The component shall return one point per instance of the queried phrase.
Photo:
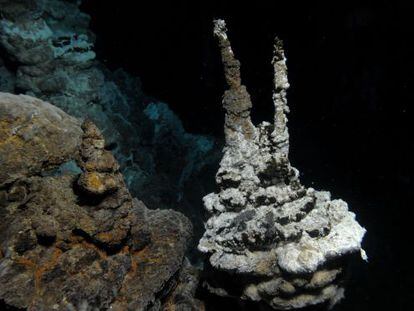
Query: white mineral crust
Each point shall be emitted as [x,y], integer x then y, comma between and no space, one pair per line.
[263,222]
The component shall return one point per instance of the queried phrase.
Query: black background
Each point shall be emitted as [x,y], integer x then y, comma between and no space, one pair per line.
[350,69]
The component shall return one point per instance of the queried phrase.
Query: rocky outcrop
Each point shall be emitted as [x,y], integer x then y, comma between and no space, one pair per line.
[31,137]
[72,236]
[48,52]
[269,238]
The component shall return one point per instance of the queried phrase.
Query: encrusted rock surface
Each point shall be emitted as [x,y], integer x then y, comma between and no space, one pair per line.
[47,51]
[269,238]
[72,236]
[31,134]
[182,298]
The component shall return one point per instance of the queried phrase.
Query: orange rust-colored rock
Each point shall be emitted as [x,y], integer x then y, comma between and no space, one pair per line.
[72,240]
[98,183]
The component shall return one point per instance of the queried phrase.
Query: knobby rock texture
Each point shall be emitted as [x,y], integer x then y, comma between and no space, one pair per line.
[72,236]
[47,51]
[270,239]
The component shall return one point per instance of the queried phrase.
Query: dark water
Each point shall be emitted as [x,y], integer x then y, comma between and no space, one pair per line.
[351,73]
